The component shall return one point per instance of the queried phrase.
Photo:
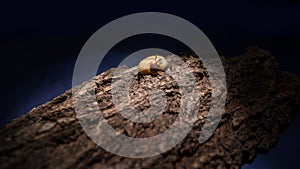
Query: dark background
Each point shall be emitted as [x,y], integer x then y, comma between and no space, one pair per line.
[40,42]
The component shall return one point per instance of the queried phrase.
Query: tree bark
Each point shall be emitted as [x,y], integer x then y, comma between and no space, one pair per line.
[261,101]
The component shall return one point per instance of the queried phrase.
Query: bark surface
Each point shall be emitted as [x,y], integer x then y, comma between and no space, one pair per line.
[261,101]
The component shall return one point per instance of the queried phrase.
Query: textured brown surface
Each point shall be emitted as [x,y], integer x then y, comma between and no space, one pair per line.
[260,104]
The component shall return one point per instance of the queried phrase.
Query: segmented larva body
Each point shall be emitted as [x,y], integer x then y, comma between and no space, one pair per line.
[155,64]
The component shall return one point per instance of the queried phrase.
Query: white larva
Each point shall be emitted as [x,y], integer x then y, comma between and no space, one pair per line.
[154,64]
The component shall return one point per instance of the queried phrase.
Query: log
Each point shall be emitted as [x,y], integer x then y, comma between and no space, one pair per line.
[260,104]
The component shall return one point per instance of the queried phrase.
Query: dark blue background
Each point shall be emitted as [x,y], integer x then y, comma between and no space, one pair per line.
[40,41]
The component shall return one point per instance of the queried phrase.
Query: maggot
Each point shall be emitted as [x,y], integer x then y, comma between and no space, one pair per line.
[154,64]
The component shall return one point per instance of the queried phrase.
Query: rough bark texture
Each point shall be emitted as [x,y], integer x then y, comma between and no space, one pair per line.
[260,104]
